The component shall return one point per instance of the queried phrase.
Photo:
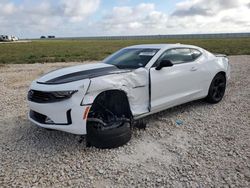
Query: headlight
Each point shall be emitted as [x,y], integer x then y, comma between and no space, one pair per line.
[63,94]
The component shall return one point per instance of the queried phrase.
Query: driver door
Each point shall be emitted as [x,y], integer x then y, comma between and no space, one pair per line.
[171,86]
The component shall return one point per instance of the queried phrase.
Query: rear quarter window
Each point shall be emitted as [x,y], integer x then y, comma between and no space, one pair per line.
[178,55]
[195,54]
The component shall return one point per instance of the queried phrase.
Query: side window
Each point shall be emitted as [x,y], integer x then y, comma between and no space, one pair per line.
[177,56]
[195,54]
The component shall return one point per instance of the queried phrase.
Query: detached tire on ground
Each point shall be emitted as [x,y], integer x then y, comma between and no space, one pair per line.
[113,137]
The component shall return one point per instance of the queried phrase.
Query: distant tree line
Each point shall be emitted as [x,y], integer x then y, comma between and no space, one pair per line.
[177,36]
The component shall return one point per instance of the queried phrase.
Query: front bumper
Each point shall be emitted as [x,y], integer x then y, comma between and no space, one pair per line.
[64,116]
[67,115]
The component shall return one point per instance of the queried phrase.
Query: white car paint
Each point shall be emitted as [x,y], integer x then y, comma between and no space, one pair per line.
[148,90]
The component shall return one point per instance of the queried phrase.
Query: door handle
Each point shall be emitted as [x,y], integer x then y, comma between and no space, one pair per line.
[193,69]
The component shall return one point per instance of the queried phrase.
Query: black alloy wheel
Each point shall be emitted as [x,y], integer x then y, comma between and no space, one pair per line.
[217,89]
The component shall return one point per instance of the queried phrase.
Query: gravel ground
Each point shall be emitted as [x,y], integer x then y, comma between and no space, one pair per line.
[210,149]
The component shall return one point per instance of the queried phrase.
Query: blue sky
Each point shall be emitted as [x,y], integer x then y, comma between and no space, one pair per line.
[75,18]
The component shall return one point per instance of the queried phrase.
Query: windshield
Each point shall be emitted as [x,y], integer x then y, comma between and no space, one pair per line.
[131,58]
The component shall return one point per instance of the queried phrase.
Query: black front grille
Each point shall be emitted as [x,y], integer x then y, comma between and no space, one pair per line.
[41,97]
[44,97]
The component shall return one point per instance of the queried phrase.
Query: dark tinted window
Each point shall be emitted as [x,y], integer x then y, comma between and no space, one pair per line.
[195,53]
[178,55]
[131,58]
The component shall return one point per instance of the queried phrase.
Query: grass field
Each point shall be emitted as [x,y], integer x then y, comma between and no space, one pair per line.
[40,51]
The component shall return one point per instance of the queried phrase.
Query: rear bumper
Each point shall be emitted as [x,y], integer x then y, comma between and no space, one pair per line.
[228,73]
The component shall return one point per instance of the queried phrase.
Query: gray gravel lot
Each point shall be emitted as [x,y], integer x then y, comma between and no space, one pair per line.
[211,148]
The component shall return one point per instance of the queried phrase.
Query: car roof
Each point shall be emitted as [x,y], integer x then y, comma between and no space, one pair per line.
[162,46]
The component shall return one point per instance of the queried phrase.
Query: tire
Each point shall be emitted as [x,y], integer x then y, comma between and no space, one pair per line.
[109,138]
[217,89]
[49,129]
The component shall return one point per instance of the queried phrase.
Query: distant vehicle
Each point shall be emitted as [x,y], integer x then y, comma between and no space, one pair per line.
[5,38]
[14,38]
[51,37]
[8,38]
[102,100]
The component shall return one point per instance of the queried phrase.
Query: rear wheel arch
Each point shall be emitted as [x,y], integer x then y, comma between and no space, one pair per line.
[212,76]
[221,72]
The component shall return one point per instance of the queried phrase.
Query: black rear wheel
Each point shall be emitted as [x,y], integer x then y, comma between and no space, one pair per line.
[216,89]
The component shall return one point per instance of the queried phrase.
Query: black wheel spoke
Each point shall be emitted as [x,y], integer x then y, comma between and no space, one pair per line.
[214,93]
[222,84]
[219,94]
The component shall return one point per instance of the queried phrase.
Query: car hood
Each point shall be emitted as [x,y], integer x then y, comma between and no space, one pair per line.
[80,72]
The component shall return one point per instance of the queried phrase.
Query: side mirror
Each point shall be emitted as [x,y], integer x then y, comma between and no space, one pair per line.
[164,63]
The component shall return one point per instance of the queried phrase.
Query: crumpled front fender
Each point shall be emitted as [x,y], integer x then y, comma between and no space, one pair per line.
[134,83]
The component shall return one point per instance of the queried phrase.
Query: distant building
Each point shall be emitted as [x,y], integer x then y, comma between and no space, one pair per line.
[8,38]
[51,37]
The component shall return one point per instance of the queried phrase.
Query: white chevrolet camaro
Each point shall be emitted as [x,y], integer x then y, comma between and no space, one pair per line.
[104,100]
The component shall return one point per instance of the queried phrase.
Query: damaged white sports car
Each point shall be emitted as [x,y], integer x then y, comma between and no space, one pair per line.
[103,100]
